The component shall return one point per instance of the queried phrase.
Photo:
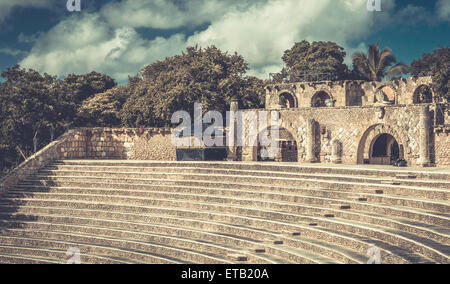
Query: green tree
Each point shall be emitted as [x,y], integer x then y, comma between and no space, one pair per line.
[35,108]
[376,65]
[436,65]
[103,109]
[208,76]
[27,113]
[84,86]
[320,60]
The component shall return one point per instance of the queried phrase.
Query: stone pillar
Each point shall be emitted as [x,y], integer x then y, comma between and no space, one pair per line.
[310,141]
[232,131]
[336,152]
[424,139]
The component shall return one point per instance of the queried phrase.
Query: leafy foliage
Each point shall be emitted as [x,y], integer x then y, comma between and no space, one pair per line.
[376,65]
[27,108]
[103,109]
[436,65]
[208,76]
[35,108]
[308,61]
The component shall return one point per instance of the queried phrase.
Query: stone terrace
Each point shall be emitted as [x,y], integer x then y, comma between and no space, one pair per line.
[225,212]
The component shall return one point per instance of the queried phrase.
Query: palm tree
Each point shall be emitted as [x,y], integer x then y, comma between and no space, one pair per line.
[375,66]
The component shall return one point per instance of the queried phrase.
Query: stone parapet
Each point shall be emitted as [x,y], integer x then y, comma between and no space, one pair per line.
[98,143]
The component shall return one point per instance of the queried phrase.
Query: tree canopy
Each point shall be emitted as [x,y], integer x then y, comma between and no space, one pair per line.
[320,60]
[208,76]
[436,65]
[35,108]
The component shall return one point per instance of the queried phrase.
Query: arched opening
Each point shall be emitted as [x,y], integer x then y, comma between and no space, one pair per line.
[320,99]
[286,150]
[287,100]
[379,143]
[385,95]
[384,150]
[423,95]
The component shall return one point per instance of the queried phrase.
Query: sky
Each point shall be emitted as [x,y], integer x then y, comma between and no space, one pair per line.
[119,37]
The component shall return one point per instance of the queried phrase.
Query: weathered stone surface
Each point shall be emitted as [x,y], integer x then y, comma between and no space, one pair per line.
[362,112]
[98,143]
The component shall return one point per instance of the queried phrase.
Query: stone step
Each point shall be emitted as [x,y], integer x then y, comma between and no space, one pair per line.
[406,176]
[212,238]
[431,173]
[87,236]
[227,212]
[423,192]
[20,259]
[136,171]
[294,201]
[127,245]
[353,226]
[237,233]
[406,254]
[344,198]
[57,255]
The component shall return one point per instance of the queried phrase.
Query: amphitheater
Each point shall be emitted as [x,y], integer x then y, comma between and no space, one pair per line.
[121,196]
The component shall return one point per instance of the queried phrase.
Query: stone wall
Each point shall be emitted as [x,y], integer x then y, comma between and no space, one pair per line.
[440,143]
[441,154]
[354,129]
[347,93]
[121,143]
[39,160]
[98,143]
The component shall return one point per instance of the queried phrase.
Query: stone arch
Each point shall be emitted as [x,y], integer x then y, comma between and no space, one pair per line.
[369,137]
[290,100]
[422,94]
[289,144]
[319,98]
[388,93]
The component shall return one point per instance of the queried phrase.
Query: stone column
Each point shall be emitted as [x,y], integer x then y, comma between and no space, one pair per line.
[336,157]
[310,141]
[232,132]
[424,138]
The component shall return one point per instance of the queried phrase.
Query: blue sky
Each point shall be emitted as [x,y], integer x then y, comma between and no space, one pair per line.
[120,37]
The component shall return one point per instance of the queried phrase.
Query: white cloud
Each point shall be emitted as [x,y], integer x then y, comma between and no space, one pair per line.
[163,14]
[262,35]
[443,9]
[84,43]
[108,41]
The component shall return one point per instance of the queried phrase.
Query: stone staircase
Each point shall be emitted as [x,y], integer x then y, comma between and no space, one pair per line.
[222,213]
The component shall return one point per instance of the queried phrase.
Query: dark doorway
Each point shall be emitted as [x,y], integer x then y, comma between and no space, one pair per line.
[319,99]
[287,100]
[385,149]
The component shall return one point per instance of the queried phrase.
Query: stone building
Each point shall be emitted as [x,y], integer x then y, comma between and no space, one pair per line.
[355,122]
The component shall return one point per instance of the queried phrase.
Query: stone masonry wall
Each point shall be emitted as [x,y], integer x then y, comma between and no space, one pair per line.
[39,160]
[441,138]
[121,143]
[353,128]
[441,153]
[347,93]
[97,143]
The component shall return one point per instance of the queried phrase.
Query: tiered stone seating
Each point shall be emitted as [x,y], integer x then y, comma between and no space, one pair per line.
[211,212]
